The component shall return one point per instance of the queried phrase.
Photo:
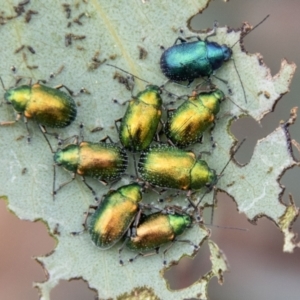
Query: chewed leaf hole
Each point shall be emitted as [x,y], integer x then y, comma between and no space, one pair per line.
[246,128]
[74,289]
[189,269]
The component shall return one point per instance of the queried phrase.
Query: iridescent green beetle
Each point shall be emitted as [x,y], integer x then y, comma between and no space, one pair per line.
[103,161]
[186,124]
[191,60]
[156,230]
[114,215]
[140,122]
[169,167]
[47,106]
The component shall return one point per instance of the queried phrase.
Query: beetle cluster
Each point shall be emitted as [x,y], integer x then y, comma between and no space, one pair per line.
[120,214]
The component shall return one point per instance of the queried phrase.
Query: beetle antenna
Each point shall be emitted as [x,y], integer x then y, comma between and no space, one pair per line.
[251,30]
[226,227]
[243,110]
[128,73]
[161,87]
[232,155]
[240,79]
[198,220]
[2,83]
[53,183]
[221,173]
[245,97]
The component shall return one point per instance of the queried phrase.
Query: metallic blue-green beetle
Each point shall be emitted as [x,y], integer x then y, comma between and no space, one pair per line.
[186,124]
[114,215]
[140,122]
[103,161]
[191,60]
[47,106]
[169,167]
[156,230]
[141,119]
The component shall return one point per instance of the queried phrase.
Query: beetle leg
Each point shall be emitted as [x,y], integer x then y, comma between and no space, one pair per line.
[54,74]
[225,82]
[212,141]
[84,224]
[196,247]
[213,31]
[103,182]
[82,90]
[112,183]
[201,139]
[150,207]
[161,191]
[144,255]
[5,123]
[203,152]
[39,81]
[198,218]
[136,223]
[91,189]
[61,86]
[116,101]
[194,37]
[175,195]
[150,187]
[156,137]
[135,166]
[169,111]
[160,131]
[28,133]
[81,126]
[190,81]
[116,123]
[182,40]
[183,97]
[162,87]
[121,262]
[210,86]
[165,251]
[64,141]
[188,197]
[44,132]
[107,138]
[65,183]
[171,143]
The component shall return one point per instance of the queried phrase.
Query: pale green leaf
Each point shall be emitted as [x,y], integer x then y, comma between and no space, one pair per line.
[116,31]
